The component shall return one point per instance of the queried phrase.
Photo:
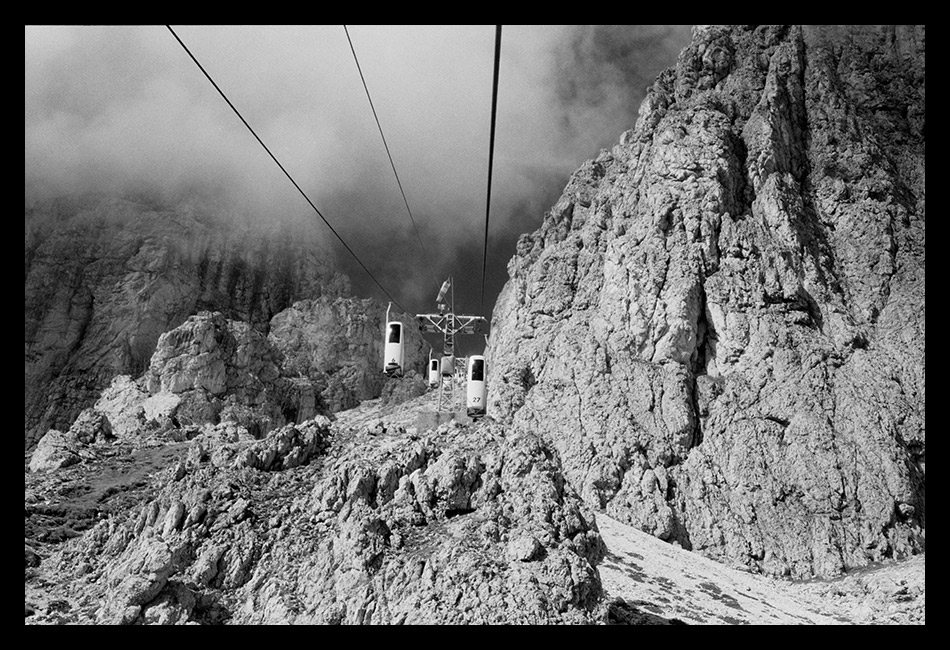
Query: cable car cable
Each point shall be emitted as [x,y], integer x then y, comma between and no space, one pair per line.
[379,126]
[491,155]
[332,229]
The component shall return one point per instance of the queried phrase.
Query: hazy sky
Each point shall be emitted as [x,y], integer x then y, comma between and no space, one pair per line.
[113,108]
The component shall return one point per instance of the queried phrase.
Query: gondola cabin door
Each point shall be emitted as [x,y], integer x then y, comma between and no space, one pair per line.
[433,372]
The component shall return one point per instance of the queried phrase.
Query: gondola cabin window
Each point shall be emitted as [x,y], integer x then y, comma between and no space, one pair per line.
[395,333]
[478,370]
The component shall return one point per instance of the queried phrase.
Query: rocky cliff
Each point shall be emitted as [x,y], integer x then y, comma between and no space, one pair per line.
[338,344]
[720,324]
[106,276]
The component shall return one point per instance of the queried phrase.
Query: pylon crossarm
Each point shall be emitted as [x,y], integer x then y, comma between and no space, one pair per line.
[432,323]
[467,324]
[451,323]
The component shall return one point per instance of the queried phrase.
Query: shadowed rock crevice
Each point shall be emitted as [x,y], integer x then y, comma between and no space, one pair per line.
[620,612]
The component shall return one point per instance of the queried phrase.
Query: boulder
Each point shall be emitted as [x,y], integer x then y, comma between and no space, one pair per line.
[54,451]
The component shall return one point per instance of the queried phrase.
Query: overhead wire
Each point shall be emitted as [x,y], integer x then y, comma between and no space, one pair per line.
[386,145]
[286,173]
[491,155]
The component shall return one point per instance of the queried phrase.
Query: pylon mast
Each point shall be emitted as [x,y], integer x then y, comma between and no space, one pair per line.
[449,325]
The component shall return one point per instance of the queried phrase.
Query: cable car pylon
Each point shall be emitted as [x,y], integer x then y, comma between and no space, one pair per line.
[449,324]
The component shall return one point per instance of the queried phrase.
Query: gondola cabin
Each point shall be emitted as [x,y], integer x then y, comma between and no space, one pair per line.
[448,366]
[393,359]
[433,372]
[475,390]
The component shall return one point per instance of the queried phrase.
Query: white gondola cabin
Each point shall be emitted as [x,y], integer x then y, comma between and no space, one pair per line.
[475,390]
[448,366]
[433,372]
[393,355]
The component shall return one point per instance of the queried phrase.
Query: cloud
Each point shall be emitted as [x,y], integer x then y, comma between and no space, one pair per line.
[122,109]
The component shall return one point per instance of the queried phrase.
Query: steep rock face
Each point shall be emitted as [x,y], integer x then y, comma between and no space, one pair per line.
[461,525]
[320,357]
[104,277]
[337,343]
[211,367]
[720,325]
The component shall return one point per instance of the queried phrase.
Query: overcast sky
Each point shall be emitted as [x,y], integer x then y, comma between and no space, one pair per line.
[113,108]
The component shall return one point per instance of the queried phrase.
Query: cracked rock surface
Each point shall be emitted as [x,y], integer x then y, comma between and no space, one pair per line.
[317,523]
[720,324]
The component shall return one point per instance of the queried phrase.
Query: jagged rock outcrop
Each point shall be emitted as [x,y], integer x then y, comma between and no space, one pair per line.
[460,525]
[321,356]
[106,276]
[337,343]
[54,451]
[207,370]
[720,324]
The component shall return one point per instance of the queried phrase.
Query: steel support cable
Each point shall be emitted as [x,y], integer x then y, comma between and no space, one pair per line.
[425,255]
[491,155]
[302,193]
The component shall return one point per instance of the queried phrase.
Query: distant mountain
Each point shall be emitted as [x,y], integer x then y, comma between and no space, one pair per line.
[105,276]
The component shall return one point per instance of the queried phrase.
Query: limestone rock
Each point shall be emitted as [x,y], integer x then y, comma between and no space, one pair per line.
[92,426]
[211,368]
[337,343]
[54,451]
[123,404]
[365,529]
[286,447]
[719,325]
[400,389]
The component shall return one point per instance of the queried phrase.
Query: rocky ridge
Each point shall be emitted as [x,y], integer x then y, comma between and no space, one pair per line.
[245,505]
[719,326]
[318,524]
[365,520]
[106,276]
[211,369]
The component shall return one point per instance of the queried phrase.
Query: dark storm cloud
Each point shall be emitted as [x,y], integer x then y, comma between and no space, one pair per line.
[124,109]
